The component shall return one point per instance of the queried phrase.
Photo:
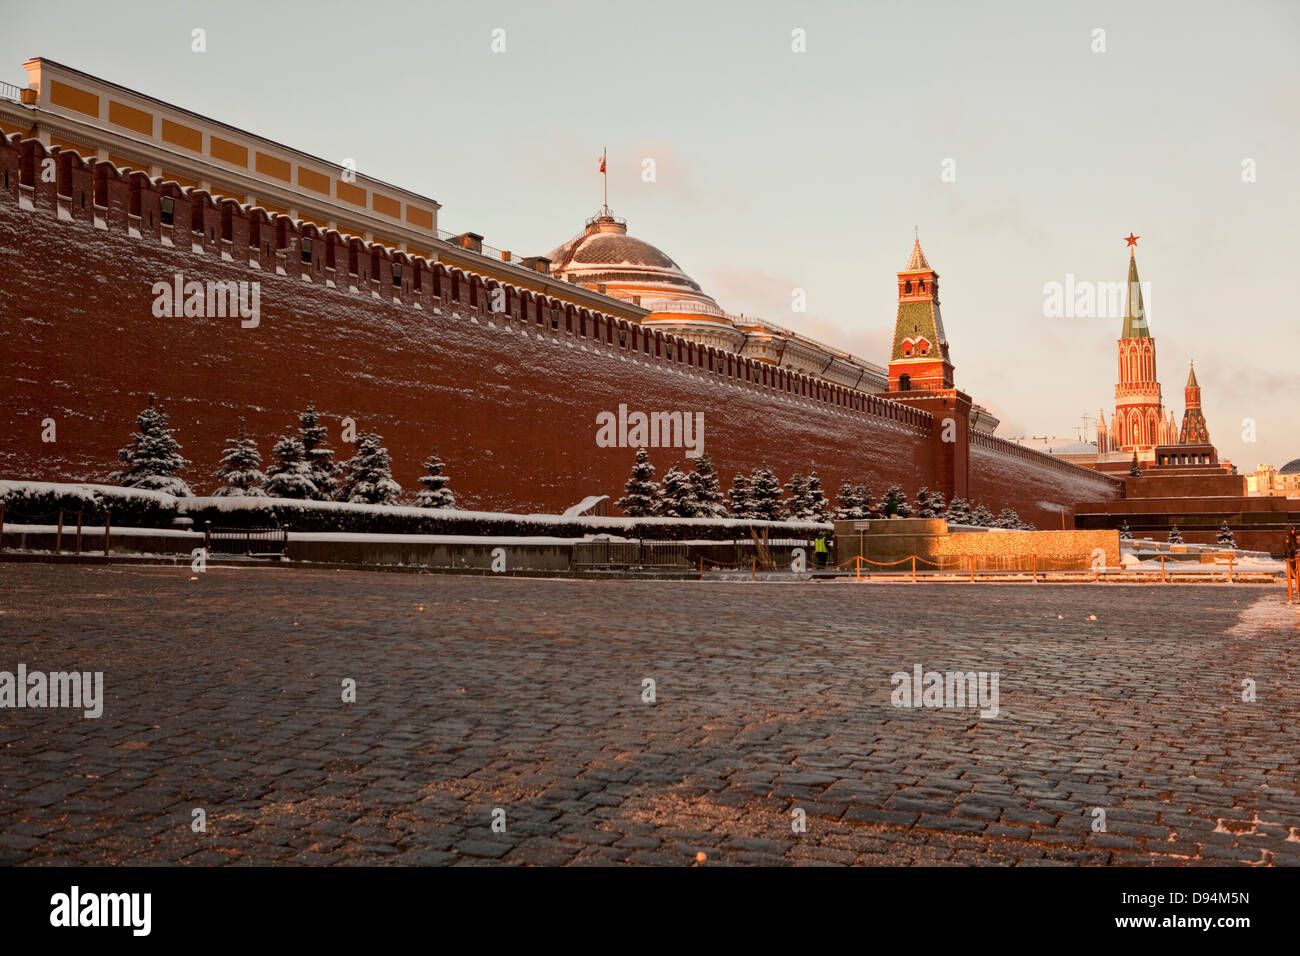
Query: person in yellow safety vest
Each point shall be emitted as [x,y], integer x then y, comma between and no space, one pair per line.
[820,549]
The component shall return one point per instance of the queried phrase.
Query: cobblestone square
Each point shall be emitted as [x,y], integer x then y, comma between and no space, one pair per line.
[223,693]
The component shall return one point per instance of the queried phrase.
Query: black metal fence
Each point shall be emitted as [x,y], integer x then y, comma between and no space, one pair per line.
[254,542]
[632,554]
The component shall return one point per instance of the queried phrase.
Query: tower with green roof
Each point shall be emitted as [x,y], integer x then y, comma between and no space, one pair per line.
[919,360]
[1140,423]
[920,374]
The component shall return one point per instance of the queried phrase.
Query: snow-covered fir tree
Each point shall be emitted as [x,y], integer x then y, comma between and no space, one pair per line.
[1125,533]
[290,475]
[152,458]
[368,476]
[677,495]
[792,507]
[1134,471]
[240,473]
[958,511]
[816,505]
[1175,536]
[765,494]
[921,504]
[738,501]
[320,457]
[435,493]
[708,490]
[981,517]
[936,504]
[1226,537]
[851,502]
[641,491]
[863,494]
[1007,518]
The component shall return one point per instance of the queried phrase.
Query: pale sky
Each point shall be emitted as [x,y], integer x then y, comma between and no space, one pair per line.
[778,170]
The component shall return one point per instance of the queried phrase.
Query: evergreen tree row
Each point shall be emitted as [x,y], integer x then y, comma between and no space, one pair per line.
[761,496]
[303,468]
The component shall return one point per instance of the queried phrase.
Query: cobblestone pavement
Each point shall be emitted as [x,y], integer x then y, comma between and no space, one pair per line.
[223,692]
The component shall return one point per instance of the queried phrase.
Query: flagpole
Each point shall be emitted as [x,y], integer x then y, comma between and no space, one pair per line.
[604,163]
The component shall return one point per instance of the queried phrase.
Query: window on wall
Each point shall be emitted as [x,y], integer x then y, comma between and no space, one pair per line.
[166,210]
[397,274]
[555,318]
[622,338]
[306,248]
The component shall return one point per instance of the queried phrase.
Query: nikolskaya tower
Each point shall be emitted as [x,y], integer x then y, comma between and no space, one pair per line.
[1140,422]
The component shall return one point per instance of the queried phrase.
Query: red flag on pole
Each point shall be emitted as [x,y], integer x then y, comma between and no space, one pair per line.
[602,162]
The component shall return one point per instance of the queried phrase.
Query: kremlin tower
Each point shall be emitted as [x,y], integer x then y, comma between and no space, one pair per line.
[1194,431]
[1141,427]
[919,361]
[1140,422]
[920,372]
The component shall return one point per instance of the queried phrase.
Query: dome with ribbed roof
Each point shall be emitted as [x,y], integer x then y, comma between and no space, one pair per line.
[1290,468]
[604,255]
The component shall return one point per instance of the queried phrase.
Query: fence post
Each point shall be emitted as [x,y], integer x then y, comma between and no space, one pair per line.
[857,567]
[1162,569]
[701,567]
[207,536]
[753,573]
[78,532]
[1231,555]
[972,569]
[108,525]
[1035,557]
[913,569]
[58,535]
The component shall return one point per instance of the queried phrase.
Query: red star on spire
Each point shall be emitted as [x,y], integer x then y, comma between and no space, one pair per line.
[1132,240]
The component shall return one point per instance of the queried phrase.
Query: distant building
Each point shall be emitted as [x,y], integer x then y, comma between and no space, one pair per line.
[1268,482]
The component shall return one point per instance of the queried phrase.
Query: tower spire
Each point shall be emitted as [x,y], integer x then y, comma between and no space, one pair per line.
[1135,315]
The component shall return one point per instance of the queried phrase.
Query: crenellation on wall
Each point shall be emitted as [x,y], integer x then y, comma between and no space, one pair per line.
[1010,448]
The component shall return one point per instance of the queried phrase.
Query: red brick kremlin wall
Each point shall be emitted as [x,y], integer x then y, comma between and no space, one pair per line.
[510,403]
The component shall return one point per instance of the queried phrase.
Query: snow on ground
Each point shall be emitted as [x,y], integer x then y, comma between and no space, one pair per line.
[1252,565]
[1266,617]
